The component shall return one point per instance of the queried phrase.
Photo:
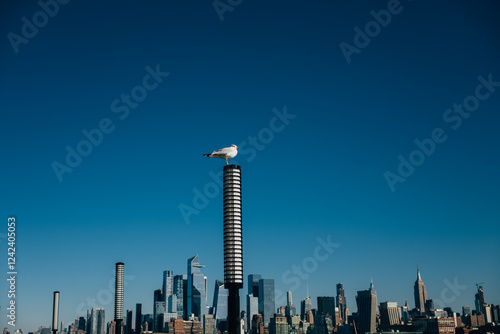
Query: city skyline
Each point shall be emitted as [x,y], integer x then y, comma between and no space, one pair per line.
[356,166]
[331,301]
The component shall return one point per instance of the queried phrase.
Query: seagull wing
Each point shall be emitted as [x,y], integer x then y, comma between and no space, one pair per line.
[222,152]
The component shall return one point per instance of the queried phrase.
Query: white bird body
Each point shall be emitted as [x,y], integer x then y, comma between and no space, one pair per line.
[224,153]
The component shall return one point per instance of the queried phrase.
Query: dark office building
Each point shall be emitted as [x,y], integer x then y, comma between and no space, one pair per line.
[138,318]
[326,305]
[129,329]
[366,301]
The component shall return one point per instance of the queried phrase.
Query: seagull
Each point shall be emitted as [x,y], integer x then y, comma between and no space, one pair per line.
[224,153]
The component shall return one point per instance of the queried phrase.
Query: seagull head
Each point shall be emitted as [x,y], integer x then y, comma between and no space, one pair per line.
[234,146]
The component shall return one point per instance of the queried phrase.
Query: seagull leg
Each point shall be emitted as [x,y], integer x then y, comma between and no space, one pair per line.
[227,163]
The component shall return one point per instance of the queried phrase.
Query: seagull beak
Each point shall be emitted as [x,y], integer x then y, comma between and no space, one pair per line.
[237,147]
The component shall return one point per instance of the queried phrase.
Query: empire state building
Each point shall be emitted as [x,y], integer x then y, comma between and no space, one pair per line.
[420,293]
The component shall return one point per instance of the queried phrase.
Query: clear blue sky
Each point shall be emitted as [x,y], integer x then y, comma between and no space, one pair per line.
[319,175]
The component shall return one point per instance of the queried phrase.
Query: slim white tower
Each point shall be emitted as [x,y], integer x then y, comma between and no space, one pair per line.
[55,312]
[118,296]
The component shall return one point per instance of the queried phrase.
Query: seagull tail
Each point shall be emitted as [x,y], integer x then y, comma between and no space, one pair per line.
[206,155]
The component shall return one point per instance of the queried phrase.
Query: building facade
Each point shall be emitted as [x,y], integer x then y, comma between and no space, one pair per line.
[389,314]
[96,322]
[266,299]
[420,293]
[367,310]
[197,289]
[341,302]
[220,301]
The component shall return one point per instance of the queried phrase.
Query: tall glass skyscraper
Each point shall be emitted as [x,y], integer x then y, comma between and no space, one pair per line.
[253,284]
[158,311]
[197,289]
[266,299]
[220,301]
[168,284]
[252,298]
[95,321]
[179,293]
[252,309]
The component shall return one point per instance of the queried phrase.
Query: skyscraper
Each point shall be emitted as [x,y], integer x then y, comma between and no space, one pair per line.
[197,289]
[366,301]
[119,270]
[305,306]
[158,311]
[326,305]
[420,293]
[479,300]
[158,308]
[129,322]
[95,321]
[290,309]
[80,324]
[341,302]
[404,312]
[253,284]
[278,325]
[252,309]
[429,306]
[252,298]
[233,244]
[185,297]
[179,293]
[157,296]
[266,299]
[138,319]
[389,314]
[220,301]
[168,286]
